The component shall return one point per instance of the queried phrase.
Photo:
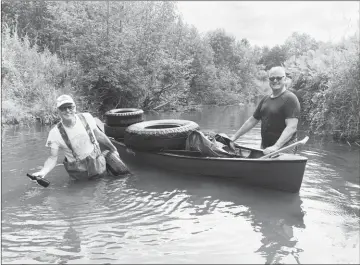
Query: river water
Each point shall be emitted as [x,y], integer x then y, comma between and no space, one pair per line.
[155,216]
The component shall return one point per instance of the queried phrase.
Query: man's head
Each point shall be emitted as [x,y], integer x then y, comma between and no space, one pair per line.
[66,106]
[277,78]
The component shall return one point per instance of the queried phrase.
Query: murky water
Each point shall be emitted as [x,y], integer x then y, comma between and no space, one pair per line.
[165,217]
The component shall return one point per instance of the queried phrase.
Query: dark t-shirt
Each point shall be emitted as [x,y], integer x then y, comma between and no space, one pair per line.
[272,112]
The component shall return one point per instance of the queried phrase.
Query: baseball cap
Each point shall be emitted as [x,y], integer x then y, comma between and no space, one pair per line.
[64,99]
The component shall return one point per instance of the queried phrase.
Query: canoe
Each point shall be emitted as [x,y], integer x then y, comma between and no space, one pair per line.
[284,172]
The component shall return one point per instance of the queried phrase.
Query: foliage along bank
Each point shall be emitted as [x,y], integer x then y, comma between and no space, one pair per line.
[142,54]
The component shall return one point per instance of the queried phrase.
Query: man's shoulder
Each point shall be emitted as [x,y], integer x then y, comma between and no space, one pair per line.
[264,98]
[86,114]
[54,131]
[89,119]
[289,95]
[54,127]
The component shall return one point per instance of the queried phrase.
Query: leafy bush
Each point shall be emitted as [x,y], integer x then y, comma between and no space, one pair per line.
[31,80]
[328,84]
[135,54]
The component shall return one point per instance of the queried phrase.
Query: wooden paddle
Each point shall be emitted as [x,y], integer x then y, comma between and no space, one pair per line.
[303,141]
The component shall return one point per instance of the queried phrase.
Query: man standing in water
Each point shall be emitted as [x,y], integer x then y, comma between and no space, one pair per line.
[279,114]
[79,137]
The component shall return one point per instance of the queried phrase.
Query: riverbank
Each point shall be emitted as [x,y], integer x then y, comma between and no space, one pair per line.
[336,136]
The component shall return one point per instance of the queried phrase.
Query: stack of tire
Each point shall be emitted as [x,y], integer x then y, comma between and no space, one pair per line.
[156,135]
[117,120]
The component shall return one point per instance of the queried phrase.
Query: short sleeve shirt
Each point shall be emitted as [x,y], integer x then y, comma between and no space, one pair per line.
[272,112]
[78,137]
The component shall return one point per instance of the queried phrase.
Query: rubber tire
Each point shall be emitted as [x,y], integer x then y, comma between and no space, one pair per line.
[124,117]
[159,134]
[114,131]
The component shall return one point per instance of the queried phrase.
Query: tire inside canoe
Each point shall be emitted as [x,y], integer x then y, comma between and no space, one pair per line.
[159,134]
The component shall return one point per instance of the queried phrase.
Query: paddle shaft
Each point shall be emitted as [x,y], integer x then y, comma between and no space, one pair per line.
[303,141]
[247,148]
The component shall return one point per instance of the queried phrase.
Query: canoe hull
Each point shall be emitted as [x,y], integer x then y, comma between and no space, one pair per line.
[282,173]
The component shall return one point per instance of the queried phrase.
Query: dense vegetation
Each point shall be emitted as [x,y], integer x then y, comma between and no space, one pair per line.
[142,54]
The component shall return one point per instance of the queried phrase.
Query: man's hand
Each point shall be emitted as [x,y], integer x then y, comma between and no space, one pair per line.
[115,152]
[232,145]
[271,149]
[39,174]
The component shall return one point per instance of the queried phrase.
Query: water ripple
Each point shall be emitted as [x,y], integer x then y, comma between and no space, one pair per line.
[158,217]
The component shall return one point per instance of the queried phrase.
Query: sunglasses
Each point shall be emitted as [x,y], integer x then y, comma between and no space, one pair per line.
[65,108]
[278,78]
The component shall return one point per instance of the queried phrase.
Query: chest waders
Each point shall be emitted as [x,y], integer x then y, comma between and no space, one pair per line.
[93,165]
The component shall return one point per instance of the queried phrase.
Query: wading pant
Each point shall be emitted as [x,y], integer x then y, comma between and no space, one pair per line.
[93,166]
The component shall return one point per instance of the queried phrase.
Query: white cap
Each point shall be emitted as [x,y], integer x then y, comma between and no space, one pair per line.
[64,99]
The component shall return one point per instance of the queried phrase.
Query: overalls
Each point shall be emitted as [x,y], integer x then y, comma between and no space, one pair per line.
[92,166]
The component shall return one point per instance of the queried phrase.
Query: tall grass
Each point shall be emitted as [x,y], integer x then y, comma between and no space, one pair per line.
[31,81]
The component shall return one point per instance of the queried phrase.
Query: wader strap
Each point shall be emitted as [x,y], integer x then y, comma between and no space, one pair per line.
[66,138]
[87,127]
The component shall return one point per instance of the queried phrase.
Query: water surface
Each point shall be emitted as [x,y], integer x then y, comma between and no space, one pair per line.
[156,216]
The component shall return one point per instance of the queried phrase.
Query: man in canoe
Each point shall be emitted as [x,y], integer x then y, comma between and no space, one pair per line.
[279,114]
[79,137]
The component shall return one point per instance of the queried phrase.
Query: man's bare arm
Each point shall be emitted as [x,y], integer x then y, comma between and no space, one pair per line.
[247,126]
[102,138]
[49,164]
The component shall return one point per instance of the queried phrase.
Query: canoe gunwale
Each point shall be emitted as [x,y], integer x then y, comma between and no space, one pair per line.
[255,160]
[299,159]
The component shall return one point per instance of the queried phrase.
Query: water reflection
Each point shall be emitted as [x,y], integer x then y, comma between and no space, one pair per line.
[278,231]
[206,196]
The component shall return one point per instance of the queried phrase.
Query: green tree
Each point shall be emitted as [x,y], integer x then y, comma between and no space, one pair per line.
[223,46]
[276,56]
[31,19]
[299,43]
